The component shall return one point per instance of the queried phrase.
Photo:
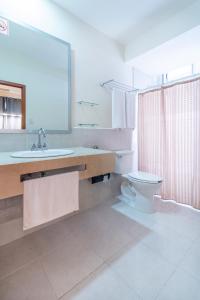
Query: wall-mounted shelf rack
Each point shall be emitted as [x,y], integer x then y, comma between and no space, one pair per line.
[99,128]
[87,103]
[110,84]
[87,125]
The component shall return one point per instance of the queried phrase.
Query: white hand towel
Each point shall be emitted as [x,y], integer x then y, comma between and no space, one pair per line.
[118,109]
[130,110]
[50,197]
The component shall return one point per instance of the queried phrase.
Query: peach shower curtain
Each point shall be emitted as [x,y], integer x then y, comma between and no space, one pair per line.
[169,139]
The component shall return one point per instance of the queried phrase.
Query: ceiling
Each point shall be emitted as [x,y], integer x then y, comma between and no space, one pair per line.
[123,20]
[180,51]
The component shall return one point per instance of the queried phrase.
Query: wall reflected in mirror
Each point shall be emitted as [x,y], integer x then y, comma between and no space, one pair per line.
[39,64]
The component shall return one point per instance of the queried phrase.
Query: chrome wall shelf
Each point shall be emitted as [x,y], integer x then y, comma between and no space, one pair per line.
[87,103]
[87,125]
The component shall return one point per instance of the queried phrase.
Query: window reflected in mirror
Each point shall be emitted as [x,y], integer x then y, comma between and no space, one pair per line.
[12,105]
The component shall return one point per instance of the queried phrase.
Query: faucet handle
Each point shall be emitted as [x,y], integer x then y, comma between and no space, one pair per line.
[42,131]
[44,146]
[34,147]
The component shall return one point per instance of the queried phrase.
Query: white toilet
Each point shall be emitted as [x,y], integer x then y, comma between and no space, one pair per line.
[138,188]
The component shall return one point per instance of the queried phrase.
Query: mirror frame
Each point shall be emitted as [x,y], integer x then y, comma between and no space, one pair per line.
[69,100]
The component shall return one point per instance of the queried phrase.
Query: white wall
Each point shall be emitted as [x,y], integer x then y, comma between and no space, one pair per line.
[175,53]
[142,80]
[171,27]
[111,139]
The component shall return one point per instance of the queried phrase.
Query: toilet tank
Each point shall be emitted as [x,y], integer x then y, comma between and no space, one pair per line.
[123,162]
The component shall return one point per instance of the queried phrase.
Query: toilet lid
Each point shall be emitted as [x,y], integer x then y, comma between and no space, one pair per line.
[144,177]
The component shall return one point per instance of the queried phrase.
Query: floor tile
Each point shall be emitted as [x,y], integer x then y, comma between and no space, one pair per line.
[119,220]
[143,270]
[180,224]
[68,265]
[15,255]
[167,243]
[102,285]
[47,239]
[189,212]
[29,283]
[86,218]
[141,218]
[96,233]
[166,206]
[126,252]
[191,261]
[109,243]
[181,286]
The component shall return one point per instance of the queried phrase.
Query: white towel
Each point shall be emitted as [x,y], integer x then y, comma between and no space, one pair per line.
[118,109]
[50,197]
[130,110]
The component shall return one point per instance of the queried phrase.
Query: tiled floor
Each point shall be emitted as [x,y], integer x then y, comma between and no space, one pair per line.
[110,252]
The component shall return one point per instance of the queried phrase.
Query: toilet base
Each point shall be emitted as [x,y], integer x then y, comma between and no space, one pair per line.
[133,198]
[148,209]
[126,200]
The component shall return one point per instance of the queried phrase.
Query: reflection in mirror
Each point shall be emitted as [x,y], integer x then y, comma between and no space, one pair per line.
[40,63]
[12,105]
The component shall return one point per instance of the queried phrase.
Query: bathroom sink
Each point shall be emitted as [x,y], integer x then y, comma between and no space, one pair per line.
[42,153]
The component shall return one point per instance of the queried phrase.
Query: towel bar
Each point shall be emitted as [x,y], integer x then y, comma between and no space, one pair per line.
[44,173]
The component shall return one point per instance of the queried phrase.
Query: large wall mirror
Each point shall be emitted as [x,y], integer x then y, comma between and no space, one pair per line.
[35,80]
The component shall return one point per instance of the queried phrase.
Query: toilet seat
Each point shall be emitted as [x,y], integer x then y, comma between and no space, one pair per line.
[143,177]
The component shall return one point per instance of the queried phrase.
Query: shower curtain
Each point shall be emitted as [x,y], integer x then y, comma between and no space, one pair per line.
[169,139]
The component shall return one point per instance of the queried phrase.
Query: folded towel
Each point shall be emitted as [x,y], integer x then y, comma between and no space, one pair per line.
[130,110]
[118,109]
[50,197]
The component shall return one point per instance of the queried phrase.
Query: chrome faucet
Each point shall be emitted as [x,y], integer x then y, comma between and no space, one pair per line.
[40,145]
[41,132]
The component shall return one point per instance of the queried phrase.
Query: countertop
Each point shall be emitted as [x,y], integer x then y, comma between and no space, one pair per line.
[6,159]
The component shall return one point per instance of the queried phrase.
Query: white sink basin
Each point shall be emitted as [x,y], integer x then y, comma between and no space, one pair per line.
[42,153]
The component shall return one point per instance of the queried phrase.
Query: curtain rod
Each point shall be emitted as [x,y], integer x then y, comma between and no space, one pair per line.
[171,83]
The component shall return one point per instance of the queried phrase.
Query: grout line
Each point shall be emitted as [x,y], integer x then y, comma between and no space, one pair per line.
[82,280]
[47,277]
[164,284]
[189,273]
[186,253]
[19,268]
